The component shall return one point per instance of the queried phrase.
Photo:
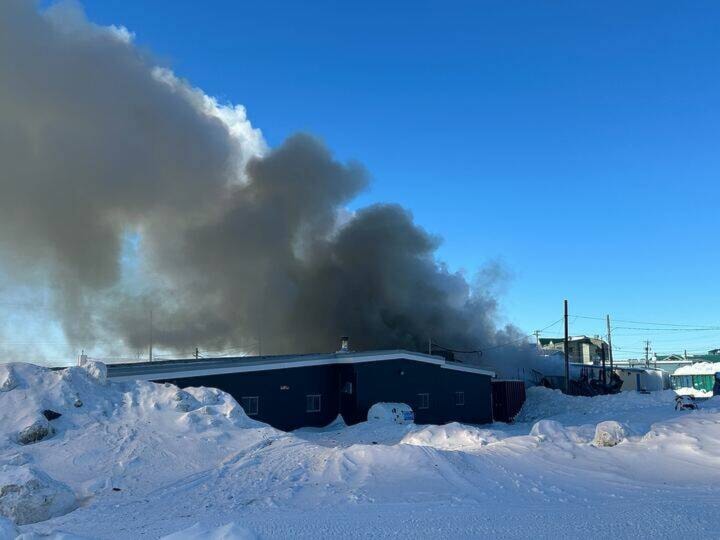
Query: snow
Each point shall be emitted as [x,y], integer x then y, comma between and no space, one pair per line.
[28,495]
[7,528]
[398,413]
[698,368]
[609,433]
[230,531]
[147,460]
[694,392]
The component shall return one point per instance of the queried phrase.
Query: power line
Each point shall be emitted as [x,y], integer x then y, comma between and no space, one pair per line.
[521,338]
[708,327]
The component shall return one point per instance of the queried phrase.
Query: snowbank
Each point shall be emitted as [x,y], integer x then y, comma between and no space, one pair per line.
[453,436]
[28,495]
[698,368]
[549,430]
[694,392]
[545,403]
[149,460]
[105,437]
[7,529]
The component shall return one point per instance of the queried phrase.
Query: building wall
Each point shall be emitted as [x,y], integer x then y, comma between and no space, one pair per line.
[282,393]
[404,381]
[582,352]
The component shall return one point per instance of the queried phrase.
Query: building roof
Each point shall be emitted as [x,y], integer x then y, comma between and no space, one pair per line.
[690,357]
[178,369]
[556,340]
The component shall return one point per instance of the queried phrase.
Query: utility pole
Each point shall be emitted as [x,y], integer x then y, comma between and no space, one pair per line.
[647,353]
[150,352]
[537,338]
[609,343]
[567,352]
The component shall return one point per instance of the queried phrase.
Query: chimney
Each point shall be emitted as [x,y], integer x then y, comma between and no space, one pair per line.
[344,342]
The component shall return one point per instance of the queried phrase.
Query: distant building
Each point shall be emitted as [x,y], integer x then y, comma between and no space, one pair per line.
[581,349]
[711,356]
[672,362]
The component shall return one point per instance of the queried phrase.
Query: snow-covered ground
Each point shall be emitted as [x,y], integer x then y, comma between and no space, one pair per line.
[141,460]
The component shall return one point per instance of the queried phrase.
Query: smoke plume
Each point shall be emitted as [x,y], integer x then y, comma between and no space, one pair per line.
[126,191]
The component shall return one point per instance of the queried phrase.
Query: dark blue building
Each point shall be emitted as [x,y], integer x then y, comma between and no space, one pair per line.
[295,391]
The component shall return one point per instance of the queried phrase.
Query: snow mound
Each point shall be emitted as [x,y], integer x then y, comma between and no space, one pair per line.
[28,495]
[185,401]
[110,438]
[8,379]
[549,430]
[609,433]
[96,370]
[230,531]
[698,368]
[398,413]
[7,529]
[546,403]
[694,392]
[453,436]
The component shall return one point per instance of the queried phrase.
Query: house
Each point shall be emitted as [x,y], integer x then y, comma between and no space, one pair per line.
[581,349]
[293,391]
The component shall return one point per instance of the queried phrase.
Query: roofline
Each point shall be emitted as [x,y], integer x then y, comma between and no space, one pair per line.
[571,338]
[322,360]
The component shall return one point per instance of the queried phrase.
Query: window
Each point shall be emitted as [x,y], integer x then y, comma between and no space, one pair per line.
[313,402]
[423,401]
[250,405]
[459,398]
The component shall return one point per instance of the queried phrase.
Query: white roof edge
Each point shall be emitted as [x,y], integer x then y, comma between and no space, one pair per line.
[469,369]
[347,358]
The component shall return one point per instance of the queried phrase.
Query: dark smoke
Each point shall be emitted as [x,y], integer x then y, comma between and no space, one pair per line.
[236,246]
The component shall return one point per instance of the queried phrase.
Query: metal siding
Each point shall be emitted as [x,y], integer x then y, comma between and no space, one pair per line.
[478,397]
[283,409]
[508,399]
[373,382]
[382,382]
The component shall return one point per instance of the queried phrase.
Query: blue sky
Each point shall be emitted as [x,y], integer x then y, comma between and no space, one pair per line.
[575,142]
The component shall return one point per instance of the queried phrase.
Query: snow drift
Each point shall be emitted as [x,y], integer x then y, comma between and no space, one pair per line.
[142,459]
[28,495]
